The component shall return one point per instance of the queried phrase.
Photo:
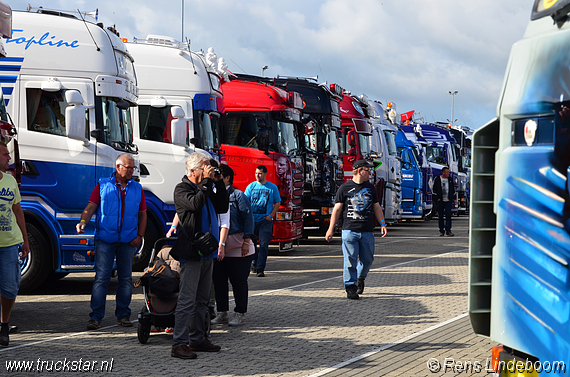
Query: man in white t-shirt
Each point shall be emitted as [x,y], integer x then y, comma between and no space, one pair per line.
[12,235]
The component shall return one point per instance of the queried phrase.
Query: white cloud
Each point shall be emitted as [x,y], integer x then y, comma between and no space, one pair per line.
[407,51]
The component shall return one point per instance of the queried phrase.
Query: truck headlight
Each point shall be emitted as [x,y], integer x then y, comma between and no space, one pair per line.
[283,216]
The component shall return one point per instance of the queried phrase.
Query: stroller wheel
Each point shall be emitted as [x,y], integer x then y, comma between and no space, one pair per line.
[143,331]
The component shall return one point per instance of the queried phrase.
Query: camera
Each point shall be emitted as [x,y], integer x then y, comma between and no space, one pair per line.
[217,171]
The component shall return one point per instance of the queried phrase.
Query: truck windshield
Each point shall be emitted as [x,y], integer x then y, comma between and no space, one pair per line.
[286,140]
[117,124]
[391,143]
[334,147]
[435,154]
[364,142]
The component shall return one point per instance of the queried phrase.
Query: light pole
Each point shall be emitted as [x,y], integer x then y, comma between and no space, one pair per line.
[452,103]
[263,69]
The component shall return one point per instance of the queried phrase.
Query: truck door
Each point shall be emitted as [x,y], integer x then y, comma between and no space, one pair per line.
[58,168]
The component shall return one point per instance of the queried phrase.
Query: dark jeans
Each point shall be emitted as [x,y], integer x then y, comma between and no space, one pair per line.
[263,230]
[444,208]
[236,269]
[190,314]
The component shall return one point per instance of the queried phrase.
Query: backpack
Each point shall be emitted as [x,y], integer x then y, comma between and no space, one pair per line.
[159,279]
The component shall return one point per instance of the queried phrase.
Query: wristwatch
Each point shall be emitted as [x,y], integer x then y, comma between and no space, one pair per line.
[222,243]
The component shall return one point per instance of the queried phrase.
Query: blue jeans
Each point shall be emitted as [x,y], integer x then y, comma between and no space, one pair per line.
[263,231]
[357,247]
[444,208]
[105,254]
[9,271]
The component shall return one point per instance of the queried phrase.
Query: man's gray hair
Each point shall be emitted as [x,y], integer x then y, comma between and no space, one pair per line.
[195,161]
[123,159]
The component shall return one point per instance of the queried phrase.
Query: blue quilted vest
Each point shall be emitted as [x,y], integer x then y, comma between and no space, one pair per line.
[109,227]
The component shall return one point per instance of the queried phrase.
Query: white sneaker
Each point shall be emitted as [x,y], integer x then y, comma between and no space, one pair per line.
[222,317]
[237,320]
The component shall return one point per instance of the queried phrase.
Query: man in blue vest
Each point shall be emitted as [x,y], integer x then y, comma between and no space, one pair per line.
[121,222]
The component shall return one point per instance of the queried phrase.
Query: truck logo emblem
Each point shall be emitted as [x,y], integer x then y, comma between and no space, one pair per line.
[44,40]
[530,132]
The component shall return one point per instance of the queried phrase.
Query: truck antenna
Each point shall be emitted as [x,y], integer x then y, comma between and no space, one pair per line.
[238,65]
[191,59]
[87,27]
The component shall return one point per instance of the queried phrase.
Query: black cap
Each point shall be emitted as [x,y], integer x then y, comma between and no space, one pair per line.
[362,164]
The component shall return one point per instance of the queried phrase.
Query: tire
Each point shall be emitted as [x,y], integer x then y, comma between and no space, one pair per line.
[143,330]
[150,237]
[37,266]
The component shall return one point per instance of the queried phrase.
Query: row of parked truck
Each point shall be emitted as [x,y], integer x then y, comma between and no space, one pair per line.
[77,95]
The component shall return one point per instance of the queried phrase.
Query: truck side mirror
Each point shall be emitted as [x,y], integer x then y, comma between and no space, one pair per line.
[262,135]
[178,126]
[352,152]
[263,139]
[351,138]
[75,116]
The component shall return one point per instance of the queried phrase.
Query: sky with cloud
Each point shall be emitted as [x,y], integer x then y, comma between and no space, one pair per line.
[410,52]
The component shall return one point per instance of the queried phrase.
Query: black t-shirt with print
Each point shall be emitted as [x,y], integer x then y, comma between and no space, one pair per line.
[357,200]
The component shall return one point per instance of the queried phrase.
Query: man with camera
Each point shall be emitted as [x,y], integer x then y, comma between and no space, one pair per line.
[198,199]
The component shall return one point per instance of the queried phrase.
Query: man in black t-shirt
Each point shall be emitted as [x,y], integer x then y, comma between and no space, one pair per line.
[358,202]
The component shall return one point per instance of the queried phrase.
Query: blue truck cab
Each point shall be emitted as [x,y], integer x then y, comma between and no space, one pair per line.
[412,195]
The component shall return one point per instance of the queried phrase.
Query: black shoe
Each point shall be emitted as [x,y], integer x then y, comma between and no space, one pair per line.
[205,346]
[360,285]
[260,274]
[4,339]
[212,312]
[125,321]
[183,352]
[351,292]
[93,324]
[253,268]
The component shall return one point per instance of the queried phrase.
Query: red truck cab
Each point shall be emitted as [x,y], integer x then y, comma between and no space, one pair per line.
[356,132]
[259,128]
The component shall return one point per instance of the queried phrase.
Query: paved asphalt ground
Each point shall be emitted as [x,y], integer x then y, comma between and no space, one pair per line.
[299,321]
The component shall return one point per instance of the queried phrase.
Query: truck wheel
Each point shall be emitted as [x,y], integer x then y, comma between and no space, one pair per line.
[150,237]
[37,266]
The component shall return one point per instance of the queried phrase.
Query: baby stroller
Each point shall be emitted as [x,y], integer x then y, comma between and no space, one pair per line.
[158,312]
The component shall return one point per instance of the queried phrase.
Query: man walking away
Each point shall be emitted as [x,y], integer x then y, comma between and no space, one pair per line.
[12,235]
[357,201]
[265,202]
[121,222]
[444,194]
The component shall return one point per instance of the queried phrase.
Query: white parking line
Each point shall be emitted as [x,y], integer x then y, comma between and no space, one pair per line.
[373,352]
[268,292]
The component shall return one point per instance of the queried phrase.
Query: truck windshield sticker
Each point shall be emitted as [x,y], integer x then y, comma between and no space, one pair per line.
[44,40]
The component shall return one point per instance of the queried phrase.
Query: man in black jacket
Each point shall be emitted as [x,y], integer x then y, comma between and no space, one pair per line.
[444,196]
[198,200]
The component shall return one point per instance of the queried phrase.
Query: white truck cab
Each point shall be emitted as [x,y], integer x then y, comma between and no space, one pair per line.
[179,101]
[68,85]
